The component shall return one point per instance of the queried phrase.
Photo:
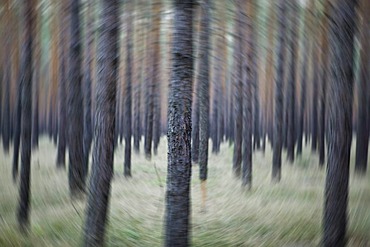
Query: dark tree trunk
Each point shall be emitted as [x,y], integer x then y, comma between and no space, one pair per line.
[87,81]
[104,124]
[315,85]
[306,50]
[6,111]
[363,120]
[238,104]
[278,113]
[137,118]
[17,130]
[76,176]
[62,86]
[36,83]
[128,98]
[291,82]
[203,90]
[248,80]
[177,226]
[28,14]
[341,35]
[156,76]
[324,66]
[195,119]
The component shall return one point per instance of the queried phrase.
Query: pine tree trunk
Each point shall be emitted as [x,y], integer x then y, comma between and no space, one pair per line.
[76,176]
[278,113]
[28,13]
[103,151]
[341,35]
[363,120]
[177,226]
[128,95]
[291,82]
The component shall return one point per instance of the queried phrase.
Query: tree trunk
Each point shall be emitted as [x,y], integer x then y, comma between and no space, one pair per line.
[248,80]
[76,176]
[278,113]
[291,81]
[341,35]
[363,120]
[103,151]
[324,67]
[179,128]
[62,82]
[238,103]
[87,82]
[28,13]
[128,98]
[203,87]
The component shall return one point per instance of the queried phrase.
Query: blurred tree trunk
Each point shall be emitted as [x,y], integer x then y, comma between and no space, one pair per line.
[323,74]
[62,53]
[278,113]
[303,93]
[177,226]
[341,35]
[87,81]
[128,97]
[238,103]
[156,75]
[248,80]
[76,177]
[29,18]
[103,151]
[363,120]
[291,80]
[36,77]
[203,93]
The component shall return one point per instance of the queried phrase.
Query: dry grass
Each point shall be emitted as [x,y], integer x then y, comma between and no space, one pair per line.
[284,214]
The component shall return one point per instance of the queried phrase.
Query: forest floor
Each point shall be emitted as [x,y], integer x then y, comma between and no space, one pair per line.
[284,214]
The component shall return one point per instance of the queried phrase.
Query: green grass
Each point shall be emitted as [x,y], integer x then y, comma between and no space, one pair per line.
[284,214]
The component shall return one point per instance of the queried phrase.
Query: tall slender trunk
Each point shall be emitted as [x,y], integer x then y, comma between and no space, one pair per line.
[177,226]
[103,151]
[341,35]
[248,80]
[278,113]
[291,81]
[363,121]
[76,176]
[28,13]
[238,104]
[128,98]
[87,82]
[63,51]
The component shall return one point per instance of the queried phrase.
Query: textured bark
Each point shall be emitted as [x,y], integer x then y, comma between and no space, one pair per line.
[177,226]
[87,82]
[291,81]
[63,51]
[6,124]
[104,124]
[203,93]
[76,178]
[128,95]
[248,80]
[278,113]
[341,36]
[28,14]
[238,104]
[363,120]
